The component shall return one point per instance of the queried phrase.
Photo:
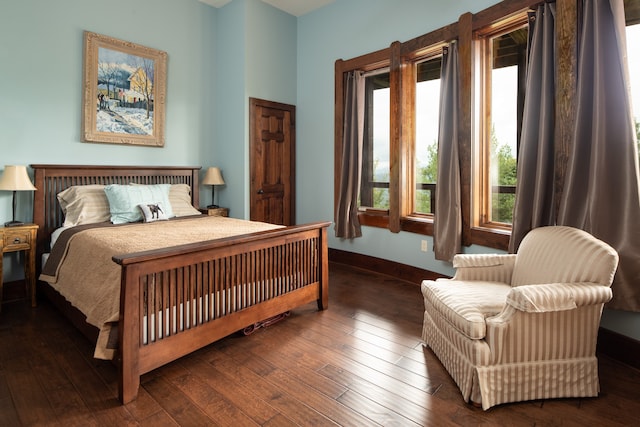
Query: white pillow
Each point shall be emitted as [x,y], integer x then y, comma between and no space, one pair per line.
[84,204]
[153,212]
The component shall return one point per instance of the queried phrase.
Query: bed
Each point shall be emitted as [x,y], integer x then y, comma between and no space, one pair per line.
[169,302]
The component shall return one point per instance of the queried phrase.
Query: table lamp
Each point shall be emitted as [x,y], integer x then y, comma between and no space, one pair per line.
[15,178]
[213,177]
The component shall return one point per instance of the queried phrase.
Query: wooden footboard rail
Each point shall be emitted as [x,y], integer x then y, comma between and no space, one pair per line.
[174,301]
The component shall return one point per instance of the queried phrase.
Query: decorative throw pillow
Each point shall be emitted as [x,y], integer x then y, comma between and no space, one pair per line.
[124,200]
[152,212]
[84,204]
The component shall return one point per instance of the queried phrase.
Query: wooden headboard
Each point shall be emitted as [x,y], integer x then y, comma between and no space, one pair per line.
[52,179]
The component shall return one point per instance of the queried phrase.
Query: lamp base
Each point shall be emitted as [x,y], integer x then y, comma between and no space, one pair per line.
[213,207]
[13,223]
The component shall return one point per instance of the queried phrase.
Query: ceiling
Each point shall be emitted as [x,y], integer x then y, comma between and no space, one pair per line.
[293,7]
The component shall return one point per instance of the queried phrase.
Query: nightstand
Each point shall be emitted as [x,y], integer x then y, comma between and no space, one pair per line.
[21,238]
[215,211]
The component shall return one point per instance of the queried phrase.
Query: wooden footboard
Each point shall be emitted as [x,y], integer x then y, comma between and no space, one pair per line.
[177,300]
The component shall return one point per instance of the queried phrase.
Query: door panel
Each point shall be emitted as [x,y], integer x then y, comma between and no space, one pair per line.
[272,161]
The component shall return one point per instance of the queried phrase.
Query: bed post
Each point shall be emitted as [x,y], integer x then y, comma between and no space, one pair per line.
[129,341]
[39,217]
[323,298]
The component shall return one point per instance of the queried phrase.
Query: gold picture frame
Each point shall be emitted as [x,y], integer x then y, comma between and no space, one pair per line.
[124,92]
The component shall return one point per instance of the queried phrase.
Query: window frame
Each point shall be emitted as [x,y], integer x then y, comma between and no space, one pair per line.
[409,55]
[632,17]
[368,148]
[402,64]
[482,185]
[368,62]
[429,54]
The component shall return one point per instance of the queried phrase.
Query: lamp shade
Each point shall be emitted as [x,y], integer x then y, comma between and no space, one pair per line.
[15,178]
[213,177]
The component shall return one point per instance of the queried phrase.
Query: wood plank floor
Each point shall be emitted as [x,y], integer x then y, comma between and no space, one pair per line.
[360,362]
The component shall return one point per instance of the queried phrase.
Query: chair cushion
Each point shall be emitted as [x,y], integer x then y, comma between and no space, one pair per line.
[466,305]
[561,254]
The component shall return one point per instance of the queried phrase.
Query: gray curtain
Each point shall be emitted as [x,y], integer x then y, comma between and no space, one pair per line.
[601,192]
[346,217]
[535,193]
[447,223]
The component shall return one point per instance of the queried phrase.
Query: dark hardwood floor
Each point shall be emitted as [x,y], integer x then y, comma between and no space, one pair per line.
[360,362]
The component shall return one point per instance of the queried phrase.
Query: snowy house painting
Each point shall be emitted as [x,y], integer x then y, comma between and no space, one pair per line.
[124,92]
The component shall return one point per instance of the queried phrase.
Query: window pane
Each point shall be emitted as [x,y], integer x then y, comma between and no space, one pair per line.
[374,188]
[633,58]
[426,149]
[504,97]
[508,52]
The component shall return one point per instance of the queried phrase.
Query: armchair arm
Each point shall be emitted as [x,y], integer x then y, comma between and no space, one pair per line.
[485,267]
[535,322]
[557,296]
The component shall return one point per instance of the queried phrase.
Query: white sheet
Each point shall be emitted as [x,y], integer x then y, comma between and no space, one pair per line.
[54,236]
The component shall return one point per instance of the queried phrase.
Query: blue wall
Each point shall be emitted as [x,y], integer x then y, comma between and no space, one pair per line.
[256,47]
[218,58]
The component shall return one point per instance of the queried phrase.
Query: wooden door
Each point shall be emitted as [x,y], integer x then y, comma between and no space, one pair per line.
[272,161]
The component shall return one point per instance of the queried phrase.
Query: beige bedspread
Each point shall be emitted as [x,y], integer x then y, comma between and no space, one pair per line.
[90,280]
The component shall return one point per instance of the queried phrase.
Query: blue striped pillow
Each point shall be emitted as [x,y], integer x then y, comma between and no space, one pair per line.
[124,200]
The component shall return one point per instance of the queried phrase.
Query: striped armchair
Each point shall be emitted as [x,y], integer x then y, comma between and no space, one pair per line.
[510,328]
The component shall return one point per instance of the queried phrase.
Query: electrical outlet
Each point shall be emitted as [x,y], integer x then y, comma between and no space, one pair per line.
[424,246]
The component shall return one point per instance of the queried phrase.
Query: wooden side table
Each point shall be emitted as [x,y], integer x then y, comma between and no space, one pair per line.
[21,238]
[215,211]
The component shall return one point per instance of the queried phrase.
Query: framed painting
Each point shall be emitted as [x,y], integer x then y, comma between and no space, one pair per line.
[124,92]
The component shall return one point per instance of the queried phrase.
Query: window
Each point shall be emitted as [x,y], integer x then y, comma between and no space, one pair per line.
[399,156]
[374,187]
[633,59]
[422,162]
[427,110]
[502,73]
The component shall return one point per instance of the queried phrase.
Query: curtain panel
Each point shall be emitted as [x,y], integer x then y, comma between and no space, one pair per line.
[535,204]
[601,194]
[447,222]
[347,225]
